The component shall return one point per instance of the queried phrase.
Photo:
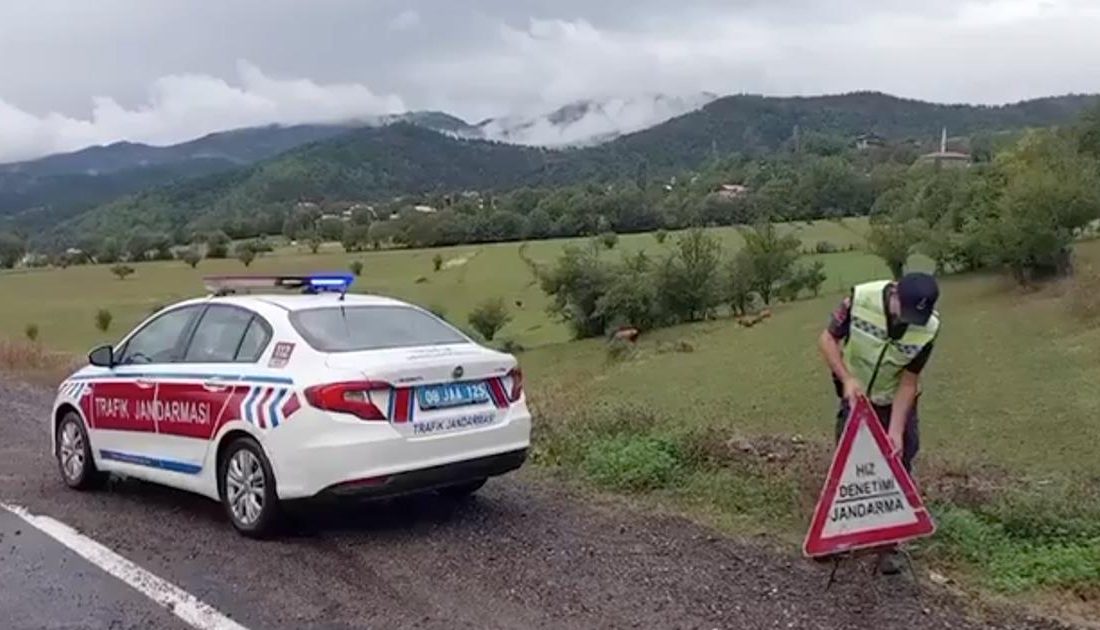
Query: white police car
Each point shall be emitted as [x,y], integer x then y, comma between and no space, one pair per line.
[254,399]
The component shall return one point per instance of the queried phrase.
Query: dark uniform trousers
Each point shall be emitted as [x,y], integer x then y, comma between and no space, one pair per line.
[912,430]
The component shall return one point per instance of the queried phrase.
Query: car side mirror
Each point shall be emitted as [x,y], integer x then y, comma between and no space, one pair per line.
[102,356]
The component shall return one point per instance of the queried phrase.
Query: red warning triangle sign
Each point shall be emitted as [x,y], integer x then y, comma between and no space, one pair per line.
[868,499]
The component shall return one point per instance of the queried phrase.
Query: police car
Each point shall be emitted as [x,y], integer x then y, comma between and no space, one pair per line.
[254,399]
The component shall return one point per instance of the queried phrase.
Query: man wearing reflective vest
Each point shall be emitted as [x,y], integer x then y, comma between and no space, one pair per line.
[876,344]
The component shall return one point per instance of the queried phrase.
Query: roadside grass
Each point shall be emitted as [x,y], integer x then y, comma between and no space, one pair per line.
[32,362]
[63,302]
[738,432]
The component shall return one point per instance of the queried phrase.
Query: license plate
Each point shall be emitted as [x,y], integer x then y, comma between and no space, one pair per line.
[452,395]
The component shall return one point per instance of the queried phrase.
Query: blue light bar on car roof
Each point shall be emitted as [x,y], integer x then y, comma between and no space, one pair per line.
[313,283]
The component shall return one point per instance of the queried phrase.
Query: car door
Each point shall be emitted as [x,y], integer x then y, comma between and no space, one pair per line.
[192,400]
[124,419]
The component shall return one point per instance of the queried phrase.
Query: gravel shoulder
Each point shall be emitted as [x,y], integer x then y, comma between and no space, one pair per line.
[524,553]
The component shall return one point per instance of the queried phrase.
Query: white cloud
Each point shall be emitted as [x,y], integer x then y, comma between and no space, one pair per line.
[406,20]
[982,51]
[185,106]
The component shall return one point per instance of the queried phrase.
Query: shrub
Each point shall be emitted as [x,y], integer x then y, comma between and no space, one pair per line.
[609,240]
[103,319]
[661,236]
[489,317]
[31,331]
[825,247]
[421,280]
[632,463]
[121,271]
[356,267]
[437,262]
[511,346]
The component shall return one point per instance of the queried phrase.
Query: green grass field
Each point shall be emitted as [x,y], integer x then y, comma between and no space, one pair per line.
[63,302]
[1010,407]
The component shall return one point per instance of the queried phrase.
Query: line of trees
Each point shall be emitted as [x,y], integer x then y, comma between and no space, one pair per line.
[692,281]
[1021,212]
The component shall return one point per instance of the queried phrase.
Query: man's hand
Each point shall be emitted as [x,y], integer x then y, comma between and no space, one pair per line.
[853,390]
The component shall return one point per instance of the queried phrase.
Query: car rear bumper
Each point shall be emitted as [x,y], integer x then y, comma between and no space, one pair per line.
[427,478]
[314,456]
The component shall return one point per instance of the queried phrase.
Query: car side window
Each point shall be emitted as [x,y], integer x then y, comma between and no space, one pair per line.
[254,342]
[218,335]
[159,340]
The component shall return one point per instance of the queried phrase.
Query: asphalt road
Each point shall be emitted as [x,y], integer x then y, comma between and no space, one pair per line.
[522,554]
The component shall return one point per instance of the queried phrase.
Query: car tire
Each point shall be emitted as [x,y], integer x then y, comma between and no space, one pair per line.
[247,487]
[462,490]
[73,452]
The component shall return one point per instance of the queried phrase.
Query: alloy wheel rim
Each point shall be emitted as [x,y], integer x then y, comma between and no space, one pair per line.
[244,485]
[72,451]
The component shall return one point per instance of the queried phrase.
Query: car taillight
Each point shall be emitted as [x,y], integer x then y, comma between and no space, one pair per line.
[350,397]
[517,384]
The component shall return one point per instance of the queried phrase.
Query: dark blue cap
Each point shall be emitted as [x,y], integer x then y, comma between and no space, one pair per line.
[917,293]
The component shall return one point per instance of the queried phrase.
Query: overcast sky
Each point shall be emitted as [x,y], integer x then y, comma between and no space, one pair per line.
[80,72]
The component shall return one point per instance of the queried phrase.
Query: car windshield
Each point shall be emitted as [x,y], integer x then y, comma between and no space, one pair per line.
[353,328]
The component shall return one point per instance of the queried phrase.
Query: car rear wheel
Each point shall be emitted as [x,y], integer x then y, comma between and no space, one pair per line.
[74,454]
[462,490]
[248,488]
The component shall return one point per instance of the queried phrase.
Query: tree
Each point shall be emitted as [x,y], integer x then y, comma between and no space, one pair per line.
[770,256]
[689,281]
[1052,192]
[609,239]
[31,331]
[812,276]
[330,229]
[631,297]
[12,249]
[489,317]
[314,241]
[121,271]
[575,284]
[356,267]
[217,245]
[109,251]
[893,240]
[138,244]
[355,237]
[246,255]
[740,283]
[191,256]
[437,262]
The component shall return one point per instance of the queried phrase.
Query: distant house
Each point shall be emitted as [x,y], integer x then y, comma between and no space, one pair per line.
[944,157]
[869,140]
[732,191]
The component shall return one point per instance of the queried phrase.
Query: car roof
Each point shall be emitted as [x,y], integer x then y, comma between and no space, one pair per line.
[299,301]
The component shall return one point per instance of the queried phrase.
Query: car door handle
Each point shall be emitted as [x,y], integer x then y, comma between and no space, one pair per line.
[214,386]
[144,384]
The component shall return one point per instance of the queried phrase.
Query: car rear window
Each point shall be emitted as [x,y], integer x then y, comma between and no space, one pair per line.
[353,328]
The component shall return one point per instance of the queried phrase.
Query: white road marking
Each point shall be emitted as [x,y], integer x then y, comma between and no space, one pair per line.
[178,601]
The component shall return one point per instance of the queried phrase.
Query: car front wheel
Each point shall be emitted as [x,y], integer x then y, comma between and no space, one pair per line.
[74,454]
[248,488]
